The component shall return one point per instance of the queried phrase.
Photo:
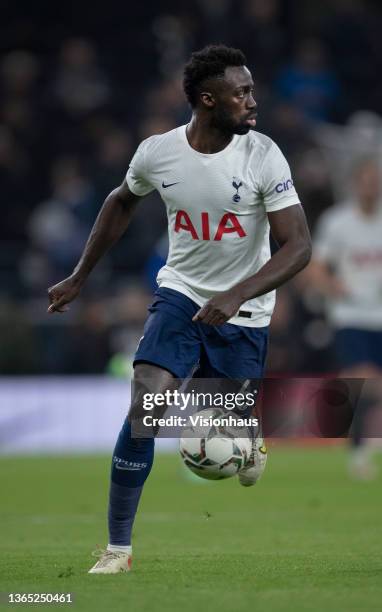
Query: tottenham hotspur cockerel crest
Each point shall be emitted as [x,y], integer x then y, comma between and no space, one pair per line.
[236,184]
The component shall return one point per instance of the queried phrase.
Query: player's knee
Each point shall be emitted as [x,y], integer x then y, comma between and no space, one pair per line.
[149,380]
[133,437]
[136,411]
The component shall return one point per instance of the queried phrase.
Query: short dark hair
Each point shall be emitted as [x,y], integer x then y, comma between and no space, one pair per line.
[210,62]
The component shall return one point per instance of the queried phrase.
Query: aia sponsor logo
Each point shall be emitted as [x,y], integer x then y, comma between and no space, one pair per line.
[228,224]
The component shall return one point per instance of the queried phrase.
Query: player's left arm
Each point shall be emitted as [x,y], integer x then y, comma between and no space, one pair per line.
[290,231]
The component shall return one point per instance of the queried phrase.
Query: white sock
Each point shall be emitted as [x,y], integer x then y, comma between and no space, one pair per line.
[117,548]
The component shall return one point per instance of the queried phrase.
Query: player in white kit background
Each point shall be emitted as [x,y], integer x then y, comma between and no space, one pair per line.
[347,269]
[225,187]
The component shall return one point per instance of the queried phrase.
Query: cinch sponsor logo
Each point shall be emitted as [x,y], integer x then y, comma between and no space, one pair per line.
[284,186]
[228,224]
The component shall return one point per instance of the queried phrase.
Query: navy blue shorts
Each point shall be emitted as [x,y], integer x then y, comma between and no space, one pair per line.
[172,341]
[358,346]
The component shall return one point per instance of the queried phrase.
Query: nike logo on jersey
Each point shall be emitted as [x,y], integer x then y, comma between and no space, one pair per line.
[169,184]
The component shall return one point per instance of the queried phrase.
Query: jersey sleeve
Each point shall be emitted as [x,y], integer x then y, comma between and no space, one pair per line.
[276,182]
[137,174]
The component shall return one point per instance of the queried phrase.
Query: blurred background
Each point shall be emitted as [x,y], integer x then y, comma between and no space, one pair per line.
[81,84]
[81,88]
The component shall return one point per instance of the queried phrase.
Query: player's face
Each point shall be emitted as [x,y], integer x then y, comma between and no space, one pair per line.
[235,106]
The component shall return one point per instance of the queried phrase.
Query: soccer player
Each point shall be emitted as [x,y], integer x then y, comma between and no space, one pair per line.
[347,269]
[224,186]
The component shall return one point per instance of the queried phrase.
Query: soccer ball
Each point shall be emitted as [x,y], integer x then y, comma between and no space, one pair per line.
[215,451]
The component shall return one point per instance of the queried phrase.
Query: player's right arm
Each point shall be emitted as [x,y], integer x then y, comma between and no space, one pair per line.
[111,223]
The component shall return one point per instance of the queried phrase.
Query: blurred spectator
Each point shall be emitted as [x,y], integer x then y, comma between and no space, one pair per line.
[171,32]
[165,106]
[89,344]
[262,37]
[341,144]
[80,85]
[157,124]
[314,182]
[308,81]
[59,226]
[18,341]
[287,124]
[352,30]
[16,196]
[19,90]
[114,151]
[19,70]
[14,179]
[156,260]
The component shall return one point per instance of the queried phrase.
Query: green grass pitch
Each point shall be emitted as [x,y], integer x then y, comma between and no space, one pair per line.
[305,538]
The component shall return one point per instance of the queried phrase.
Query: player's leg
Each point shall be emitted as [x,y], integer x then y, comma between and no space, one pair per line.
[133,457]
[361,462]
[166,354]
[359,356]
[131,465]
[236,355]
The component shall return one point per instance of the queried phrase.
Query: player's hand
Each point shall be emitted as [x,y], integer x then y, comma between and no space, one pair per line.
[219,309]
[61,294]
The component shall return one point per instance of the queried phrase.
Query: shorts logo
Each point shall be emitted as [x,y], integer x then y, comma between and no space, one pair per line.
[284,186]
[236,185]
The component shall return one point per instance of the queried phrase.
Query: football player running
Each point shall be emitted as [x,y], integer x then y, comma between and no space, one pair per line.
[225,186]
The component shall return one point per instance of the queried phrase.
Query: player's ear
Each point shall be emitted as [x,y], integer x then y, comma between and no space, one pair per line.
[207,99]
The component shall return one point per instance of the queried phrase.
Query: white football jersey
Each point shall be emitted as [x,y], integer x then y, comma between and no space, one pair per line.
[217,208]
[351,243]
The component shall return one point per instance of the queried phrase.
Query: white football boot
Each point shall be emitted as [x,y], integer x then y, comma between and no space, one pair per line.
[361,465]
[255,466]
[111,562]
